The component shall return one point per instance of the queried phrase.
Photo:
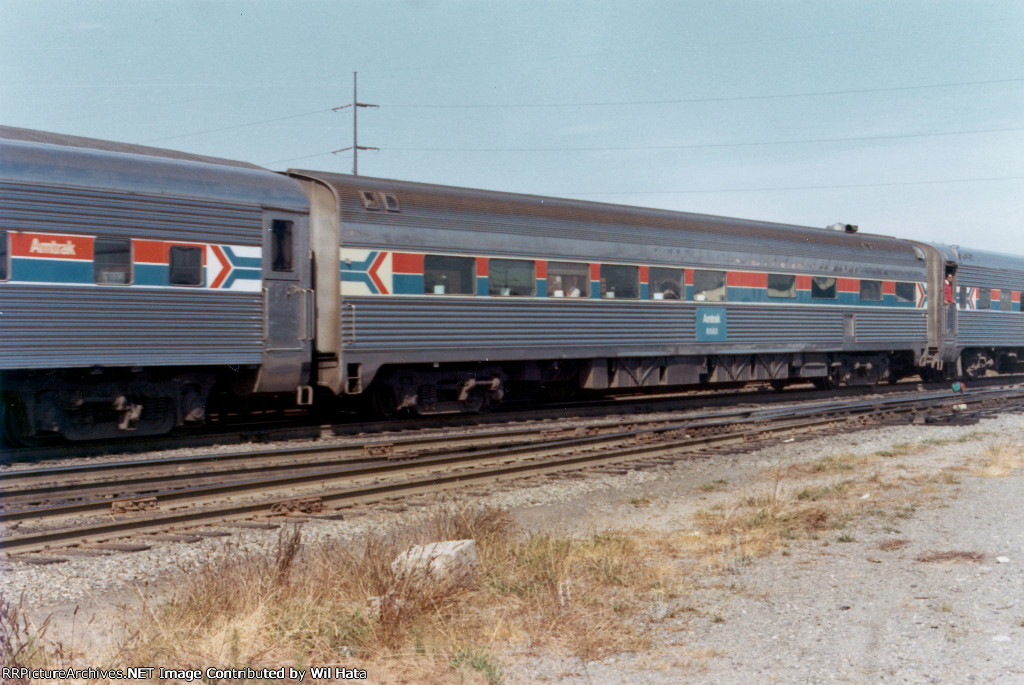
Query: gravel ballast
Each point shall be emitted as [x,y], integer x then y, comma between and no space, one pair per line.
[863,609]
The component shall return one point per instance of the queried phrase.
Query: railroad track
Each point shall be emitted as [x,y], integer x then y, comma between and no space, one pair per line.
[315,481]
[301,426]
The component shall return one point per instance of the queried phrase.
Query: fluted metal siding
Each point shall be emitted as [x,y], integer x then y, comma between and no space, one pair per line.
[390,330]
[111,213]
[892,329]
[990,329]
[58,327]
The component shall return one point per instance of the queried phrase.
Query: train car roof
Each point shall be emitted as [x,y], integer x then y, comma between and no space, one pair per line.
[547,217]
[967,256]
[33,136]
[58,161]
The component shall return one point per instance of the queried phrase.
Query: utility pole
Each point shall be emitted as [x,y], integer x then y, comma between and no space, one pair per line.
[355,147]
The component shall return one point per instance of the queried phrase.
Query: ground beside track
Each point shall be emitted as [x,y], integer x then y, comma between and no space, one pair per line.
[837,608]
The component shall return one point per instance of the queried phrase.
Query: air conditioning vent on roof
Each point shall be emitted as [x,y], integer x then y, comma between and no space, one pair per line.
[370,201]
[391,203]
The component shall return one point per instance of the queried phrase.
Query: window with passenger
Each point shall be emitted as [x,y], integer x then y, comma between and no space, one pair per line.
[444,275]
[823,288]
[112,261]
[568,279]
[870,291]
[709,286]
[782,285]
[511,277]
[619,281]
[666,284]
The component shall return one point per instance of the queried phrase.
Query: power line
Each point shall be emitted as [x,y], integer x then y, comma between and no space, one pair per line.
[735,98]
[703,145]
[230,128]
[599,104]
[782,188]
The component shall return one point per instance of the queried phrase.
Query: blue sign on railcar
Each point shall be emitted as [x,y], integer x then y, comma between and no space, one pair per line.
[712,325]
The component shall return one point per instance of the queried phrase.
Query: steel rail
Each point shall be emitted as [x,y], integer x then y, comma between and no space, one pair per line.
[320,472]
[493,467]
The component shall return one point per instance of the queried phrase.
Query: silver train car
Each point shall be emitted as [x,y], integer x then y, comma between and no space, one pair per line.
[133,280]
[136,282]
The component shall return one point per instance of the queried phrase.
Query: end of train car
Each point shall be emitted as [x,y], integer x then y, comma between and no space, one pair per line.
[135,281]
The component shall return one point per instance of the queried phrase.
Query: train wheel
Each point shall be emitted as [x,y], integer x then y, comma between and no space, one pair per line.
[975,364]
[382,403]
[15,430]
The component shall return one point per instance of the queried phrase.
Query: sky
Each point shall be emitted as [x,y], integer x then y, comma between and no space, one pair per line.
[903,117]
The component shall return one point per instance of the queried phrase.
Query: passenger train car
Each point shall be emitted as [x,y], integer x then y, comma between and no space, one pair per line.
[135,282]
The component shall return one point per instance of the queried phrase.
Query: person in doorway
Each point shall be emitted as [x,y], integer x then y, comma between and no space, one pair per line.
[948,289]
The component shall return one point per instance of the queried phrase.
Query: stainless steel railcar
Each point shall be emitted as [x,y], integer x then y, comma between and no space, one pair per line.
[984,328]
[449,295]
[132,280]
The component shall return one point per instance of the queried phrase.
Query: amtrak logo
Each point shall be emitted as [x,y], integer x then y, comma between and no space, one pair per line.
[233,267]
[365,272]
[52,247]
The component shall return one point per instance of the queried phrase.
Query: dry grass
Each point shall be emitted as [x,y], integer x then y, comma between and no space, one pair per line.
[299,604]
[24,644]
[1002,459]
[952,557]
[304,605]
[893,544]
[768,516]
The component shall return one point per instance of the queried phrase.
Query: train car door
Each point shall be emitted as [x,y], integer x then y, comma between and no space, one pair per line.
[288,305]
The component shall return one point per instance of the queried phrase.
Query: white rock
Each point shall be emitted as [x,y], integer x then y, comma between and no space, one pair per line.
[1003,560]
[452,562]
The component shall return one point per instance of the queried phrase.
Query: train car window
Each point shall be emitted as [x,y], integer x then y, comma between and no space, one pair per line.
[281,245]
[870,291]
[666,284]
[823,288]
[511,277]
[709,286]
[186,265]
[444,275]
[906,292]
[112,261]
[984,298]
[568,279]
[5,256]
[962,297]
[619,281]
[1005,300]
[781,285]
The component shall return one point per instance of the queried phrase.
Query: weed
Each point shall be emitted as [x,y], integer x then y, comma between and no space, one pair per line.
[952,557]
[640,502]
[22,644]
[892,544]
[1001,460]
[846,537]
[479,660]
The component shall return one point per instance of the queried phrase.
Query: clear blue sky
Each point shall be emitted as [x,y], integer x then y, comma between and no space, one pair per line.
[906,118]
